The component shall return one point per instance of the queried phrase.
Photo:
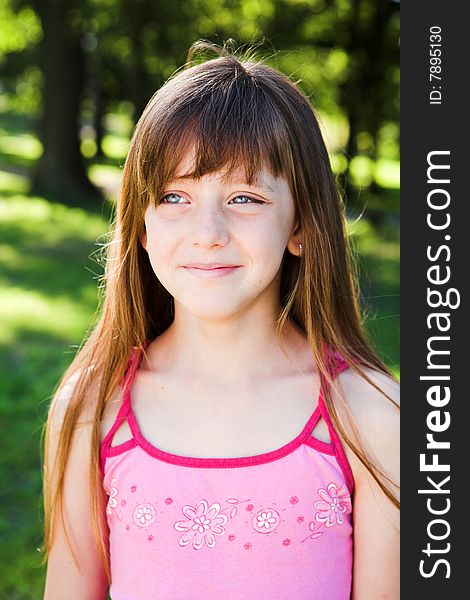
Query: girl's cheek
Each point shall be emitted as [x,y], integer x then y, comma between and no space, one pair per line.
[162,238]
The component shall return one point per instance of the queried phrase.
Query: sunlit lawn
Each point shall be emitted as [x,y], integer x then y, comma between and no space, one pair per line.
[48,296]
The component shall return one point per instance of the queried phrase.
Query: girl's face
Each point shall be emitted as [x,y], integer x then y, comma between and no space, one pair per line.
[217,247]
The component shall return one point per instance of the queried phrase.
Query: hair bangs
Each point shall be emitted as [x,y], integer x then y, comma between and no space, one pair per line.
[233,127]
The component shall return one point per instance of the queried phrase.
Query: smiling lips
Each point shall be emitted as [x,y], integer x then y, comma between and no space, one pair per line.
[208,266]
[210,269]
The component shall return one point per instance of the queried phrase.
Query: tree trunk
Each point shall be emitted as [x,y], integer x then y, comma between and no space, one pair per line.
[60,172]
[135,15]
[100,112]
[351,95]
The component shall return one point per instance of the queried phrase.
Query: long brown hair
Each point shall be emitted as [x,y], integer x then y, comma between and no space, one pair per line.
[237,112]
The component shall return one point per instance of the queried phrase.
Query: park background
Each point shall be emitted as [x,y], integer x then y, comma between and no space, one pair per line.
[75,76]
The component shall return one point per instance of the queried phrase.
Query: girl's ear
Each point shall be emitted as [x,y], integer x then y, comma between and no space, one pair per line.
[143,240]
[294,240]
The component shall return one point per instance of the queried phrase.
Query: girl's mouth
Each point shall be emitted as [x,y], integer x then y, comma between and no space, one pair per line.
[210,271]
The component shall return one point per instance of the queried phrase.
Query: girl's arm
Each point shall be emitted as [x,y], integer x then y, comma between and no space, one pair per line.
[376,571]
[64,579]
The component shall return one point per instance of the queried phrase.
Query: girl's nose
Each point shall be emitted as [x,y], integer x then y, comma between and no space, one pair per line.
[209,227]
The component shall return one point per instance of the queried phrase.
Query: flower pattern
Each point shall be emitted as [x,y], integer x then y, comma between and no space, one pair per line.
[266,520]
[112,502]
[333,504]
[144,514]
[203,523]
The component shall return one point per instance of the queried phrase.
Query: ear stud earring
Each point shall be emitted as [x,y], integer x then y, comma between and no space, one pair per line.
[300,249]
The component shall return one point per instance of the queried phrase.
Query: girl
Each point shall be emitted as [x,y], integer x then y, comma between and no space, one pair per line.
[225,430]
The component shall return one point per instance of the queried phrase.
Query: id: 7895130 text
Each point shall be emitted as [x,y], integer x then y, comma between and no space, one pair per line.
[435,62]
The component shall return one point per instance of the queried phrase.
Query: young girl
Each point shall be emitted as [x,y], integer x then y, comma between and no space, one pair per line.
[226,430]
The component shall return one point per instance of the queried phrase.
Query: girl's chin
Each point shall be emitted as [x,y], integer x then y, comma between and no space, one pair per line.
[212,311]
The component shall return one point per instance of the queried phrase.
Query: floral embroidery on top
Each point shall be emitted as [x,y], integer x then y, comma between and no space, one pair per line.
[203,523]
[286,542]
[112,502]
[144,514]
[266,520]
[335,502]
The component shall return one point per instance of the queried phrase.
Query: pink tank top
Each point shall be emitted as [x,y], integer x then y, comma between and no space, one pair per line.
[274,526]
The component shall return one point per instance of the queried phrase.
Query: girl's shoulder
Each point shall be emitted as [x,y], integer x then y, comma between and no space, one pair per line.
[64,395]
[87,412]
[375,417]
[376,516]
[364,399]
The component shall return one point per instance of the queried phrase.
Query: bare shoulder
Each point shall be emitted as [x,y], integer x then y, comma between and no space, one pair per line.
[64,396]
[363,398]
[376,417]
[62,399]
[375,516]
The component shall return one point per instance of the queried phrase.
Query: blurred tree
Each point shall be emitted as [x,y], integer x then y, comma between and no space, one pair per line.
[352,47]
[374,56]
[96,54]
[60,172]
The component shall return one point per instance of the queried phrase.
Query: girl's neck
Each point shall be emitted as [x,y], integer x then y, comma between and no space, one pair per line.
[229,352]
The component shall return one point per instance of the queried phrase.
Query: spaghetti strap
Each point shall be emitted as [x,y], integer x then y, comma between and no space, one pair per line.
[338,366]
[126,382]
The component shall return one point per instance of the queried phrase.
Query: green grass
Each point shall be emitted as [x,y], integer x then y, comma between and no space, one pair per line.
[48,297]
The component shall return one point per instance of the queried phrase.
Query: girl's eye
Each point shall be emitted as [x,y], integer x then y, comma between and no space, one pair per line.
[172,199]
[251,200]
